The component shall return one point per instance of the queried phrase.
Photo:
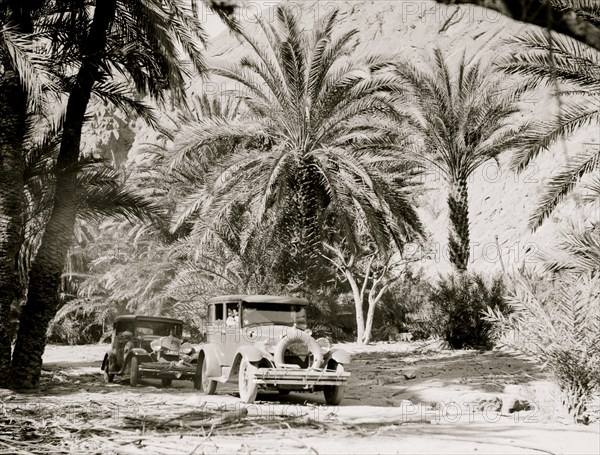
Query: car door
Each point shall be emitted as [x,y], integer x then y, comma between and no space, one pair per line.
[230,332]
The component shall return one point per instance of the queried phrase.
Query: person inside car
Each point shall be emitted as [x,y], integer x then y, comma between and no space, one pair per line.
[230,319]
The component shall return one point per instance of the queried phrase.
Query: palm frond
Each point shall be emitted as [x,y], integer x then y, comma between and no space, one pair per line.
[561,184]
[578,252]
[32,63]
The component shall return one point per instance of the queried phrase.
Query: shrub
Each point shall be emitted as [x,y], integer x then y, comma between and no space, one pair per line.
[405,307]
[82,321]
[459,303]
[332,318]
[560,331]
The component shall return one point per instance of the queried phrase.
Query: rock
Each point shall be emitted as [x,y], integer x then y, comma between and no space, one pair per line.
[410,375]
[383,380]
[405,336]
[490,404]
[517,404]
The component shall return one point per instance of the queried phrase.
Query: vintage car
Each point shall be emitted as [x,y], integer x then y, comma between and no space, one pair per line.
[263,342]
[144,346]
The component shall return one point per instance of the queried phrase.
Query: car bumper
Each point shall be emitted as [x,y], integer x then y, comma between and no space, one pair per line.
[296,377]
[167,370]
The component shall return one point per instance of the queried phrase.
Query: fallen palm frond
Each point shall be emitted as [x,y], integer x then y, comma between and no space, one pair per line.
[142,426]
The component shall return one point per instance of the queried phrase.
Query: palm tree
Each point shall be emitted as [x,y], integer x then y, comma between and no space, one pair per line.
[462,119]
[18,89]
[313,154]
[144,41]
[544,58]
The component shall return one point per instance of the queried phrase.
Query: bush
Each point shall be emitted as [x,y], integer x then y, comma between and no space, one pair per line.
[559,330]
[332,319]
[405,307]
[81,321]
[459,303]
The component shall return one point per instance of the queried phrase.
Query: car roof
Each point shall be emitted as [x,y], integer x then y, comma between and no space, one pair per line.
[259,299]
[133,317]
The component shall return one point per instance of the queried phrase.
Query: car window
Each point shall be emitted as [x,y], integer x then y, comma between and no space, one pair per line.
[257,313]
[145,331]
[218,312]
[233,316]
[158,328]
[125,326]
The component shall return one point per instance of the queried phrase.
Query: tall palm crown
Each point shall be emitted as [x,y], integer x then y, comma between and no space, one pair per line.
[462,119]
[544,58]
[314,152]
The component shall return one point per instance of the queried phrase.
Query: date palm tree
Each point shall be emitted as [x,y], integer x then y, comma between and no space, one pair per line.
[20,89]
[543,58]
[462,118]
[140,39]
[313,152]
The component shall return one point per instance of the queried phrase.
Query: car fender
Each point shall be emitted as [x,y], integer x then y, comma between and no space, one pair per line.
[140,353]
[211,357]
[252,353]
[340,356]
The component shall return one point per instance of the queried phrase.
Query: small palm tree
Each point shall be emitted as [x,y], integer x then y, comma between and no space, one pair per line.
[560,330]
[544,58]
[313,154]
[462,119]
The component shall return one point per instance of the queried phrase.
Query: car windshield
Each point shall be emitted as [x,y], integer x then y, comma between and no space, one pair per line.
[258,313]
[158,328]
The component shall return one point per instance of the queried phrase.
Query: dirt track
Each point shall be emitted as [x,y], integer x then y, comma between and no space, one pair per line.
[400,401]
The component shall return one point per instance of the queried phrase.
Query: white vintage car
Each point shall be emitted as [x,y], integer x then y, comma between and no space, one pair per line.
[263,342]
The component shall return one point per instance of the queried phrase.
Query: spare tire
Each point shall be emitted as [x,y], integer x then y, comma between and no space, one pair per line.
[298,335]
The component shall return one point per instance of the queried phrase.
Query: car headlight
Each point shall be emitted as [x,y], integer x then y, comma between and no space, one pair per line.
[156,344]
[325,345]
[186,348]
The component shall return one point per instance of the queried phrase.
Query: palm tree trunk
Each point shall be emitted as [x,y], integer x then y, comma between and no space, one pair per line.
[13,111]
[309,236]
[458,212]
[47,267]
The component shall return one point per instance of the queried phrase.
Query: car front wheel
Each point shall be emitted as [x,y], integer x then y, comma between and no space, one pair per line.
[247,387]
[134,372]
[201,381]
[334,394]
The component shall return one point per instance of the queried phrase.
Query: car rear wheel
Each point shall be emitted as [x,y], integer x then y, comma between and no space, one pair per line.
[134,372]
[108,377]
[201,381]
[334,394]
[247,387]
[166,382]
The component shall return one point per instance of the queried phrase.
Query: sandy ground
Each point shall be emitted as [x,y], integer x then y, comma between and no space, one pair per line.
[401,398]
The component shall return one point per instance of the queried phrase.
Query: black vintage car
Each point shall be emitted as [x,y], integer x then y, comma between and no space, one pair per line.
[152,347]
